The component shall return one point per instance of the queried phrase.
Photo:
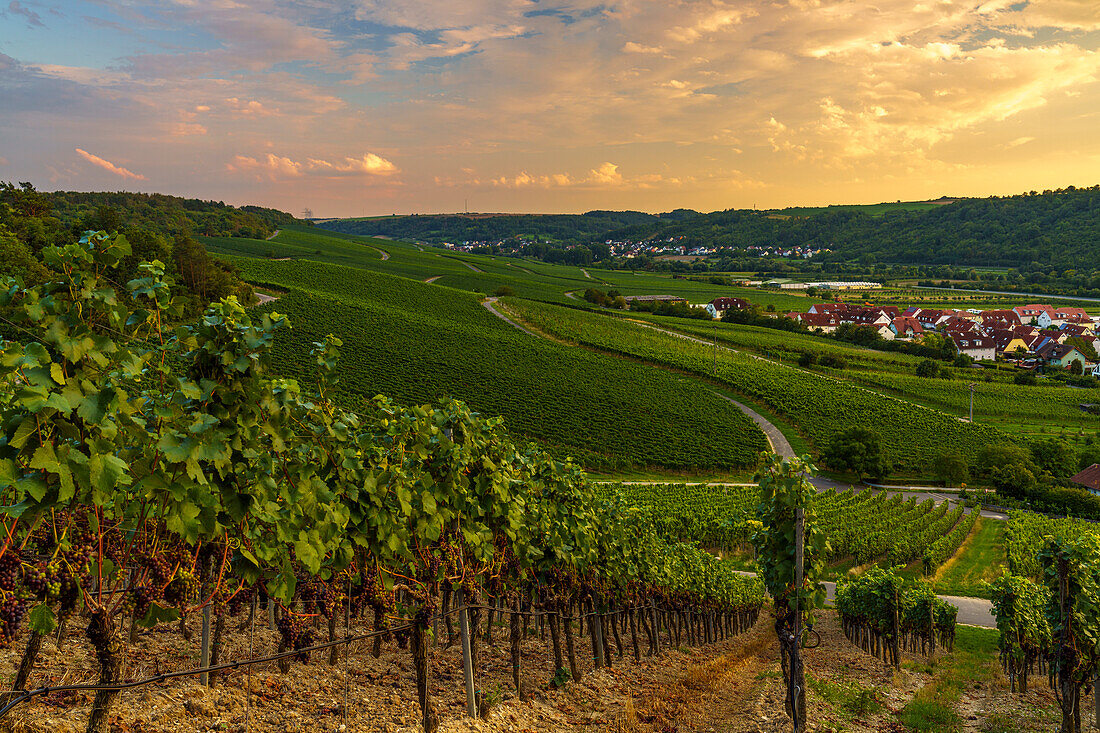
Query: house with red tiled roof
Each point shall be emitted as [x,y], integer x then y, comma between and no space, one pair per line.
[1028,313]
[906,327]
[1089,478]
[1000,316]
[1006,341]
[719,306]
[1058,317]
[824,322]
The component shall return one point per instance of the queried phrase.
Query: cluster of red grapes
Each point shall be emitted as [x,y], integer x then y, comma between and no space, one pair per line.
[12,610]
[9,570]
[295,634]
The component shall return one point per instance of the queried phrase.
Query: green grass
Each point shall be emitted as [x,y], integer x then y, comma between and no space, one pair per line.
[852,700]
[981,559]
[973,661]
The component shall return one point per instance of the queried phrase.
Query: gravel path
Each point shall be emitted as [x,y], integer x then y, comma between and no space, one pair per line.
[488,303]
[433,279]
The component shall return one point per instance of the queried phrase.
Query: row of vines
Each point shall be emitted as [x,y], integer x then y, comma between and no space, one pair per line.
[148,471]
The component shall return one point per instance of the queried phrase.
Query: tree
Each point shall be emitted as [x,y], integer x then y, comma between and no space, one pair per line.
[857,450]
[928,368]
[1055,457]
[951,468]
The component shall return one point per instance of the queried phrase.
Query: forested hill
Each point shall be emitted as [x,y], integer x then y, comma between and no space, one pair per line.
[561,228]
[166,214]
[155,226]
[1058,228]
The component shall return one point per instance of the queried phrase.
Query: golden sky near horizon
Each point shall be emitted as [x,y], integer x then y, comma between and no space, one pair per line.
[397,106]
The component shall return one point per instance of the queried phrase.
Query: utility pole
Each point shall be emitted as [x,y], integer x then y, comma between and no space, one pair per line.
[714,366]
[972,386]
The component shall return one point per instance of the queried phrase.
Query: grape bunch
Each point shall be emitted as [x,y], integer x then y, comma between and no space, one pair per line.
[35,580]
[181,589]
[295,634]
[9,570]
[138,601]
[12,611]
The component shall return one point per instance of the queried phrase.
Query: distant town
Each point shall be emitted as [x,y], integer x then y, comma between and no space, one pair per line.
[1031,335]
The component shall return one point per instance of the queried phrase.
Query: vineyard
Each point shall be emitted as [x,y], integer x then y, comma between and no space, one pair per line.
[418,342]
[865,527]
[820,406]
[151,473]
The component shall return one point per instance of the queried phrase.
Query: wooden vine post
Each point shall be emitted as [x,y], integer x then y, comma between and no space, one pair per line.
[798,675]
[790,570]
[467,657]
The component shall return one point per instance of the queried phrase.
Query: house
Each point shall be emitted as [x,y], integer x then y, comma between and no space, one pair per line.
[722,305]
[824,322]
[906,327]
[930,318]
[832,308]
[1006,341]
[1060,355]
[993,317]
[954,324]
[1059,317]
[1083,330]
[974,345]
[1029,313]
[1089,478]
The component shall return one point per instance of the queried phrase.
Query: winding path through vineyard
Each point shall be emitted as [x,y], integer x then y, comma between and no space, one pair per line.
[774,435]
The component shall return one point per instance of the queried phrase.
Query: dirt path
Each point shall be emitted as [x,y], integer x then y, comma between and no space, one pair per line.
[470,266]
[778,442]
[384,253]
[586,273]
[433,279]
[265,298]
[275,234]
[488,303]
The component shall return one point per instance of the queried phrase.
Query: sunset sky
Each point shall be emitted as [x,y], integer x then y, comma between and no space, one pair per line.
[381,106]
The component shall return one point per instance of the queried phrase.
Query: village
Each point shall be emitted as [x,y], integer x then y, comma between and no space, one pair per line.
[1030,335]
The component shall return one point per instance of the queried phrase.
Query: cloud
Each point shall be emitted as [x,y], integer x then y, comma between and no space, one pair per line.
[3,160]
[32,18]
[183,129]
[276,167]
[109,166]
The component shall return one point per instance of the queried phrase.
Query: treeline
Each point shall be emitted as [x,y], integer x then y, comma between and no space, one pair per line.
[157,227]
[564,229]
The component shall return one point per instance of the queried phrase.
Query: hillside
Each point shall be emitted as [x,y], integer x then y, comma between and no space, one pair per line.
[1057,228]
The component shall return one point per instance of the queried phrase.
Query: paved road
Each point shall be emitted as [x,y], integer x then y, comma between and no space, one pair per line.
[384,253]
[488,303]
[776,439]
[275,234]
[265,298]
[475,270]
[972,611]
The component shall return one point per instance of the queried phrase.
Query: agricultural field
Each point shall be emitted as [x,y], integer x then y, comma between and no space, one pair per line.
[1016,409]
[416,343]
[819,405]
[863,529]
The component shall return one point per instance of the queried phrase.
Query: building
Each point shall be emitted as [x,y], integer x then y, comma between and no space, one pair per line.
[719,306]
[1060,355]
[1089,478]
[974,345]
[905,327]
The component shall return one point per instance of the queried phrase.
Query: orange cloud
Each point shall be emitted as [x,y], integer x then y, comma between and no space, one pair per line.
[276,166]
[109,166]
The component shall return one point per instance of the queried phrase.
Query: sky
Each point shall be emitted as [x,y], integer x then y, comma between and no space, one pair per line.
[372,107]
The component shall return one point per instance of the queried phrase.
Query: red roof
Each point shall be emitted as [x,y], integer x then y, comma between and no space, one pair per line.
[723,304]
[1089,478]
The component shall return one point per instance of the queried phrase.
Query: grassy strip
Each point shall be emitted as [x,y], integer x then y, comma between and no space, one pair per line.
[981,558]
[973,661]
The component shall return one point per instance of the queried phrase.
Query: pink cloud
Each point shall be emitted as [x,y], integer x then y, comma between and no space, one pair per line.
[277,166]
[109,166]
